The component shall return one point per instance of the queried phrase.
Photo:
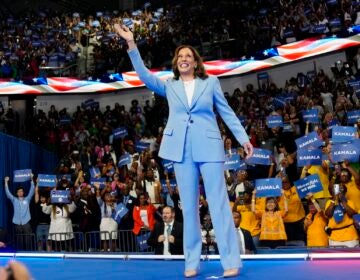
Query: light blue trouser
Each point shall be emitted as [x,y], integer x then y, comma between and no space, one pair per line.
[187,176]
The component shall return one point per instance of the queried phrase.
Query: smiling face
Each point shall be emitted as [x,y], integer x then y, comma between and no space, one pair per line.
[186,62]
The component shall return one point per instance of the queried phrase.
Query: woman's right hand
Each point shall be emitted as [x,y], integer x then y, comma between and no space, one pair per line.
[124,32]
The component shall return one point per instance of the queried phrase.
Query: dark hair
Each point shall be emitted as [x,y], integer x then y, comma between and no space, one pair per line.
[275,201]
[20,188]
[199,69]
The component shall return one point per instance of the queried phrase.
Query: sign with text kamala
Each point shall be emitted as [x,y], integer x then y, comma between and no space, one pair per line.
[22,175]
[341,152]
[232,162]
[341,134]
[260,156]
[311,115]
[309,157]
[274,121]
[310,140]
[268,187]
[309,184]
[46,180]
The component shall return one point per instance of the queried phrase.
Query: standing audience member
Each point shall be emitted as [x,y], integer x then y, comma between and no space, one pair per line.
[42,221]
[22,217]
[167,236]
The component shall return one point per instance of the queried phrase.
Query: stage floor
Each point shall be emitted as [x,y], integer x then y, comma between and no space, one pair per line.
[59,267]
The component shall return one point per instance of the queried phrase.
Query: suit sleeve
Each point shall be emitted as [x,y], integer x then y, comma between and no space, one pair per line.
[179,236]
[150,80]
[152,241]
[228,115]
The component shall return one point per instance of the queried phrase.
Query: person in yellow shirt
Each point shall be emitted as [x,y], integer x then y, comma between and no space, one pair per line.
[272,226]
[314,225]
[341,229]
[294,219]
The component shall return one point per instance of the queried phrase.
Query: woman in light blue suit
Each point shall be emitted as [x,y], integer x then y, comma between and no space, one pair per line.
[192,140]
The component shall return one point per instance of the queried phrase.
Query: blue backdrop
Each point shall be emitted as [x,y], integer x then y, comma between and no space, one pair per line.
[19,154]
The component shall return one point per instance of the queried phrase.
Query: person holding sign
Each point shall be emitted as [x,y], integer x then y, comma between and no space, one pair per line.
[21,204]
[340,210]
[192,140]
[272,232]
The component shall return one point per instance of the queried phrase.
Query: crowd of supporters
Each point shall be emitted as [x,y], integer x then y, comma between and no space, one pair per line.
[49,42]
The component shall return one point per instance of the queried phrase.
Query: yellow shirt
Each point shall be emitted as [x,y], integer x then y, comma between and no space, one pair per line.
[316,235]
[324,179]
[249,221]
[353,194]
[272,226]
[345,234]
[296,210]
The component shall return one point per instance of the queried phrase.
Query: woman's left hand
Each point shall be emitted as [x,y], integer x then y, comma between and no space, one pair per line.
[249,150]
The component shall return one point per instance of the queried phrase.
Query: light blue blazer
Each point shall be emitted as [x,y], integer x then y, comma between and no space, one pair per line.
[206,141]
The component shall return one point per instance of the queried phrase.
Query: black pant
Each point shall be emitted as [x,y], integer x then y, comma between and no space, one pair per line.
[24,237]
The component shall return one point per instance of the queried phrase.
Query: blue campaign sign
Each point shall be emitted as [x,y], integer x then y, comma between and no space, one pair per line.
[46,180]
[268,187]
[274,121]
[120,132]
[242,165]
[242,119]
[342,134]
[341,152]
[311,115]
[260,156]
[353,116]
[309,184]
[22,175]
[164,188]
[232,162]
[62,196]
[356,219]
[309,157]
[310,140]
[141,240]
[94,172]
[101,181]
[141,146]
[168,165]
[125,159]
[119,212]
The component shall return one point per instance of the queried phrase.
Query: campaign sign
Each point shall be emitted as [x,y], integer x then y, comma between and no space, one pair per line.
[168,165]
[120,132]
[125,159]
[341,152]
[353,116]
[274,121]
[260,156]
[356,219]
[46,180]
[242,165]
[309,157]
[232,162]
[100,181]
[242,119]
[62,196]
[164,188]
[141,240]
[94,172]
[141,146]
[309,184]
[22,175]
[311,116]
[268,187]
[119,212]
[341,134]
[310,140]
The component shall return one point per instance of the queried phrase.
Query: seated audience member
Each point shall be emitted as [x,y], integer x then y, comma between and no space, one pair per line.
[314,225]
[245,239]
[167,236]
[273,232]
[108,226]
[340,210]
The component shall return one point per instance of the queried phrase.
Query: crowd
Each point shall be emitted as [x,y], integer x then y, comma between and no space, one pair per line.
[144,184]
[48,42]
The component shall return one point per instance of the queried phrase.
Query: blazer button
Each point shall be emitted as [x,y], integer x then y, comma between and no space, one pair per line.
[191,121]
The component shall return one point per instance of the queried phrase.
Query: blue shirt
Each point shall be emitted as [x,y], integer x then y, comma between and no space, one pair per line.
[21,206]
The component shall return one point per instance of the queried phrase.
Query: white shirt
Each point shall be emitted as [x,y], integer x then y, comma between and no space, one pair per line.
[167,232]
[189,89]
[240,235]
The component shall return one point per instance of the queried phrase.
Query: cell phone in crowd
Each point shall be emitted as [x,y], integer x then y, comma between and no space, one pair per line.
[336,189]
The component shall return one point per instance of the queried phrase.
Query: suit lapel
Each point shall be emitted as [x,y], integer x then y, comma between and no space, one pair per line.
[200,86]
[178,87]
